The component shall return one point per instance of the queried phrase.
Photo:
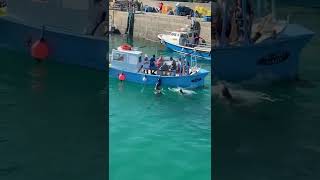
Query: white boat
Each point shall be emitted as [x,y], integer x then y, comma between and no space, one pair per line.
[270,52]
[180,41]
[184,41]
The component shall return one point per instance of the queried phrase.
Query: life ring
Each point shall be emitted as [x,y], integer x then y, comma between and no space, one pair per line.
[126,47]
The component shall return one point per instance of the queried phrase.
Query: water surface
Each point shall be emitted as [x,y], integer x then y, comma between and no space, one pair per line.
[158,137]
[272,132]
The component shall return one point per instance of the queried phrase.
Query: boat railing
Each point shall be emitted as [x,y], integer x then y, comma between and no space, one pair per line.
[200,45]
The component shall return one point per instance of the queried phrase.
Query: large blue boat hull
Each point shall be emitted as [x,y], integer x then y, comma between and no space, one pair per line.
[193,81]
[271,60]
[187,50]
[64,47]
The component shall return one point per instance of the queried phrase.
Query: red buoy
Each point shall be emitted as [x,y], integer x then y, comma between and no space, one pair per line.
[40,50]
[122,77]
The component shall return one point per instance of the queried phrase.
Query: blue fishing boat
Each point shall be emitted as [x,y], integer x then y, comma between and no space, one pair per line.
[269,49]
[126,64]
[187,41]
[58,30]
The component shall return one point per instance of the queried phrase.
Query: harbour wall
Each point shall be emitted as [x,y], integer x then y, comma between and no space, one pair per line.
[191,5]
[149,25]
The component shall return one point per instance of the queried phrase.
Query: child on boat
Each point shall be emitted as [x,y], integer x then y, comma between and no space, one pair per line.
[173,67]
[146,64]
[153,67]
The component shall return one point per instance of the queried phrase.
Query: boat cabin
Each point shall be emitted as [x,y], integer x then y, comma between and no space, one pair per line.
[182,38]
[126,60]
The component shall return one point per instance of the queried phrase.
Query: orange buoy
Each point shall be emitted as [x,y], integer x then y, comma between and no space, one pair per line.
[122,77]
[126,47]
[40,50]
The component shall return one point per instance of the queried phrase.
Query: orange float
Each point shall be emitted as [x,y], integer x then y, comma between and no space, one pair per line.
[122,77]
[40,50]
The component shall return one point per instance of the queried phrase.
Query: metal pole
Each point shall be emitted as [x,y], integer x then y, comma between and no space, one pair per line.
[112,17]
[224,22]
[245,23]
[259,8]
[273,5]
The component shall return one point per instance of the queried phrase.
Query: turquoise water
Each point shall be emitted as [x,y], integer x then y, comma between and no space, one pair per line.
[272,133]
[158,137]
[52,120]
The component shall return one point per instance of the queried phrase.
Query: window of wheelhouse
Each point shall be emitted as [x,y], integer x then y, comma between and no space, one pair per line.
[118,57]
[184,35]
[133,59]
[173,34]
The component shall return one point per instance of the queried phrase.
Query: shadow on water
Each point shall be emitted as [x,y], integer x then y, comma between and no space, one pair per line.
[53,120]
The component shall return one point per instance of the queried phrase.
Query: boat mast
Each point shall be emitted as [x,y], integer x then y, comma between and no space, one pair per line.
[130,24]
[245,22]
[259,8]
[273,10]
[224,4]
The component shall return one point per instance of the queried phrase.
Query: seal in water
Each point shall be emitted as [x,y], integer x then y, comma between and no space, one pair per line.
[226,93]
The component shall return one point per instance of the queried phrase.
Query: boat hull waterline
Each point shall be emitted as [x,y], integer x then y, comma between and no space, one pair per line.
[188,50]
[273,60]
[191,81]
[64,47]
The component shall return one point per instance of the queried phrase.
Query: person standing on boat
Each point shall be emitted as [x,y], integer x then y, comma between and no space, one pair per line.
[160,6]
[187,67]
[140,64]
[179,67]
[173,67]
[159,62]
[153,67]
[146,64]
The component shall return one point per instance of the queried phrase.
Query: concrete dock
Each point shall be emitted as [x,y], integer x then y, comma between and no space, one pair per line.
[149,25]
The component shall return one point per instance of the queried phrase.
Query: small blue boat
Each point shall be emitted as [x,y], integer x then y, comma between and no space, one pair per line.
[126,65]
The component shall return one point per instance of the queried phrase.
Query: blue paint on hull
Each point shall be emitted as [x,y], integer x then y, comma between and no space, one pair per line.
[187,50]
[193,81]
[271,60]
[64,47]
